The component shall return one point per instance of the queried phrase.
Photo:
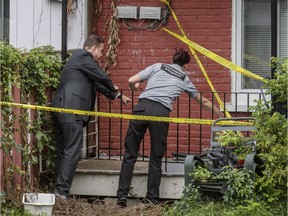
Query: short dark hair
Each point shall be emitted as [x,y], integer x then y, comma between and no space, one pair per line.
[181,57]
[92,40]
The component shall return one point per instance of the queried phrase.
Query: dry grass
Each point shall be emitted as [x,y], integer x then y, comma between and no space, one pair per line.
[81,207]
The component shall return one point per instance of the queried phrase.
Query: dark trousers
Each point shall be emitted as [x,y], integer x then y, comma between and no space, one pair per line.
[69,139]
[158,138]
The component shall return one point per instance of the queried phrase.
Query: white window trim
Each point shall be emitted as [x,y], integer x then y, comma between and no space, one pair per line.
[236,57]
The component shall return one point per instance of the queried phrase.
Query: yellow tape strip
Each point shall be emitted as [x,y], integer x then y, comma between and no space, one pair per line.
[111,115]
[198,60]
[122,116]
[217,58]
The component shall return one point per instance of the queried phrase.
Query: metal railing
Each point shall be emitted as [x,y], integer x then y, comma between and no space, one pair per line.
[104,137]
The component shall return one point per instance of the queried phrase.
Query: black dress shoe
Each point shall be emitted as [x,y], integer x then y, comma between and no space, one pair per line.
[122,202]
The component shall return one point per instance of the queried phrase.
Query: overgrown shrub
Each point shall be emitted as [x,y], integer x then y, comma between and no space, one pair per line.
[272,139]
[270,190]
[34,73]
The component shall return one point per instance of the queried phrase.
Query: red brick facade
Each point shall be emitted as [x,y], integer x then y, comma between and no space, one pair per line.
[206,22]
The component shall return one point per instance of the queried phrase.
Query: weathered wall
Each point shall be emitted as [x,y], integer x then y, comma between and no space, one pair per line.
[38,23]
[207,23]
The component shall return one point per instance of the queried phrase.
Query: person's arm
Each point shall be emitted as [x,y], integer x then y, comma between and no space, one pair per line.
[93,70]
[134,82]
[108,93]
[208,105]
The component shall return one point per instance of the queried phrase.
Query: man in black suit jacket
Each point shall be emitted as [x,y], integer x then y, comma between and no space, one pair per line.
[81,78]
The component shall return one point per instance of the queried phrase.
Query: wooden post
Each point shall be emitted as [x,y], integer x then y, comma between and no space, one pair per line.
[1,162]
[16,155]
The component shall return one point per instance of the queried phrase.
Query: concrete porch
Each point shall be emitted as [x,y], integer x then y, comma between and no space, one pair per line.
[100,178]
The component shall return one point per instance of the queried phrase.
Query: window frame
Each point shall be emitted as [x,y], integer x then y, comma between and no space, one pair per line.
[236,57]
[4,20]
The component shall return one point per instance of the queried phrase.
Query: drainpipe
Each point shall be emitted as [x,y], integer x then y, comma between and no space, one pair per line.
[278,107]
[273,43]
[64,31]
[273,31]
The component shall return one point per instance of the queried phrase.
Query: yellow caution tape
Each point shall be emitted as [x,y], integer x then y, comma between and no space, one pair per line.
[121,116]
[198,61]
[217,58]
[110,115]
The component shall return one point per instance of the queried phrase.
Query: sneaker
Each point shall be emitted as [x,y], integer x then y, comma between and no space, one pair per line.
[122,202]
[149,201]
[59,196]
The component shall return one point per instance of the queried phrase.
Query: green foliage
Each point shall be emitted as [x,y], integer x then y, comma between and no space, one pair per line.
[14,211]
[267,195]
[272,139]
[183,206]
[239,185]
[212,207]
[230,138]
[11,208]
[252,209]
[202,174]
[278,86]
[42,67]
[205,208]
[11,65]
[7,137]
[272,148]
[236,139]
[34,73]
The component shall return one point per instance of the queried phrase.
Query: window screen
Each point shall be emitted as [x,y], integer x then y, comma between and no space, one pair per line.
[256,38]
[283,28]
[256,34]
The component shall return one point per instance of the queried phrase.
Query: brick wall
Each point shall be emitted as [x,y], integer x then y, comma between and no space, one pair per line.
[206,22]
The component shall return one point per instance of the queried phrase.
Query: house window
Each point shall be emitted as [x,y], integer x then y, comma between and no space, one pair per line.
[251,48]
[283,29]
[4,20]
[252,38]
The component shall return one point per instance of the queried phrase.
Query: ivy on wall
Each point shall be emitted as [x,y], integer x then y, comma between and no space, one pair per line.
[35,73]
[10,62]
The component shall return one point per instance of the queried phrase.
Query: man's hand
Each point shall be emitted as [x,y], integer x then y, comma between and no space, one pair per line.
[125,100]
[116,87]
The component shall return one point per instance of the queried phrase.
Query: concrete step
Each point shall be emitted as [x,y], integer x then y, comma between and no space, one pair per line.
[100,178]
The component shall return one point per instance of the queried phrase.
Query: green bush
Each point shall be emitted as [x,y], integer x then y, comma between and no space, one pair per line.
[34,73]
[272,139]
[270,190]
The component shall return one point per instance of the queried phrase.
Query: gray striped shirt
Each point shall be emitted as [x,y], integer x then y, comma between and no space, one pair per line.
[165,82]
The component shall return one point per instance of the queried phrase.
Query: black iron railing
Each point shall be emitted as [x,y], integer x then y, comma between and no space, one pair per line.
[105,136]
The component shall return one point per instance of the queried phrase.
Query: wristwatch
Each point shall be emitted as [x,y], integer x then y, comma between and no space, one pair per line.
[118,95]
